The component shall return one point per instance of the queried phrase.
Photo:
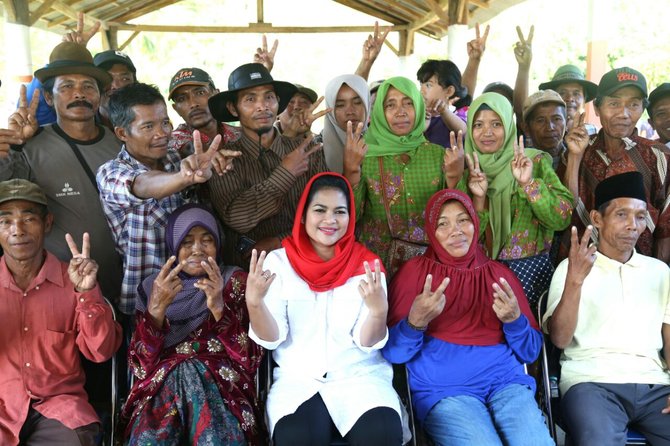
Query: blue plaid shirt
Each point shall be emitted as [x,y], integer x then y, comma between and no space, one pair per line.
[137,224]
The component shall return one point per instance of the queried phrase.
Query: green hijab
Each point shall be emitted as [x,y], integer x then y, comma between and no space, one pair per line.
[379,138]
[497,167]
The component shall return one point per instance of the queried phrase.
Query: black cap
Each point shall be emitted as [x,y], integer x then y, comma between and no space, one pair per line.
[624,185]
[107,59]
[190,76]
[659,93]
[619,78]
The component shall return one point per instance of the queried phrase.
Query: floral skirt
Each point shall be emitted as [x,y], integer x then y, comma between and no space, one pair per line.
[188,409]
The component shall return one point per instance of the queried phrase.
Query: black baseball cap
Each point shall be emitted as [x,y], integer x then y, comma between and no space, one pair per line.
[107,59]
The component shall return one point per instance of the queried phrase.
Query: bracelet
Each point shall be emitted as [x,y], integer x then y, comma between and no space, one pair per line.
[414,327]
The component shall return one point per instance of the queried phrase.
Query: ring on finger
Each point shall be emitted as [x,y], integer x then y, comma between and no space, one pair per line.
[266,275]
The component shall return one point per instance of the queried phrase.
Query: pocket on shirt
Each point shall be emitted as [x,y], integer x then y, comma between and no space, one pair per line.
[59,353]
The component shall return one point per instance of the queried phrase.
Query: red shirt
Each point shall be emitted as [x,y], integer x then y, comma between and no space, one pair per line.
[44,329]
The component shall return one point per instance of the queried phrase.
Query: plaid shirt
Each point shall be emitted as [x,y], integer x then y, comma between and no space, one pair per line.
[138,225]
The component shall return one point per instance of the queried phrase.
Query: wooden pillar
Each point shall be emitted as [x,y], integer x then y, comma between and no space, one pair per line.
[406,42]
[17,41]
[596,52]
[110,38]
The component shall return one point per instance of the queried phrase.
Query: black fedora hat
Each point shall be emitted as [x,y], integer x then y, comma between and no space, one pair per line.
[72,58]
[248,76]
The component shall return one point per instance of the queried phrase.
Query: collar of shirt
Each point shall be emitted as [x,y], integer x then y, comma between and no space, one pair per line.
[51,271]
[605,262]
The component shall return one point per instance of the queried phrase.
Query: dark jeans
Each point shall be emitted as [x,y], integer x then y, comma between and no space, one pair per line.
[41,431]
[599,413]
[311,425]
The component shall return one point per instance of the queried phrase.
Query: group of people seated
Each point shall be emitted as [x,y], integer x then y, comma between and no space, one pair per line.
[422,226]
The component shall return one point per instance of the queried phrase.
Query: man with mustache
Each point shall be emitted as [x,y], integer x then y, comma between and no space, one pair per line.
[190,89]
[62,157]
[257,200]
[617,148]
[146,182]
[544,119]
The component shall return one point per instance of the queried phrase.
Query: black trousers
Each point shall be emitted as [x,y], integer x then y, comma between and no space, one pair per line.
[311,425]
[39,430]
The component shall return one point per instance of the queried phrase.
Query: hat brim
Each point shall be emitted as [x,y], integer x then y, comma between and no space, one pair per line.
[590,89]
[60,68]
[218,102]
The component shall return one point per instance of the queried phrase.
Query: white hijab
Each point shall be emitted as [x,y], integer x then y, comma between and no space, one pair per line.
[334,138]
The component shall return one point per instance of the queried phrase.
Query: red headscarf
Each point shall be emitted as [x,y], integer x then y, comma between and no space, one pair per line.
[468,317]
[349,256]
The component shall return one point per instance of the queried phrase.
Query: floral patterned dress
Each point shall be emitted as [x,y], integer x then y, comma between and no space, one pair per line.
[406,182]
[200,391]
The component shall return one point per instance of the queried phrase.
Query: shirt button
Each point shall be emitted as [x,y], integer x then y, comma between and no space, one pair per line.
[27,364]
[25,328]
[25,294]
[81,299]
[37,287]
[90,315]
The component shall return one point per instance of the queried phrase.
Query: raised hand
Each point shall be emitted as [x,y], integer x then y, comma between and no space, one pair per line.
[258,280]
[522,166]
[81,36]
[8,138]
[477,46]
[297,161]
[478,184]
[212,285]
[355,147]
[452,162]
[82,269]
[372,291]
[198,166]
[523,49]
[505,303]
[302,120]
[429,304]
[265,57]
[373,44]
[23,121]
[165,288]
[582,255]
[577,138]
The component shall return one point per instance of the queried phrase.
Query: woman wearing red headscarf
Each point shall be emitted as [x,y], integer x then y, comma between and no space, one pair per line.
[318,304]
[462,324]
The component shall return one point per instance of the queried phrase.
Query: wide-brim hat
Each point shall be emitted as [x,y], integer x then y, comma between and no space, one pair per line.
[571,74]
[248,76]
[72,58]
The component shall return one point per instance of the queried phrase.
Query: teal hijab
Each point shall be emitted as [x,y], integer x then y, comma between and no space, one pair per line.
[498,167]
[380,139]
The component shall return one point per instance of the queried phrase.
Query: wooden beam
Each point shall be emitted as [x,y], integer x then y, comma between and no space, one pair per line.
[112,37]
[133,13]
[391,47]
[10,10]
[462,12]
[17,12]
[406,41]
[253,28]
[375,12]
[259,11]
[130,39]
[437,9]
[39,12]
[73,14]
[480,3]
[427,19]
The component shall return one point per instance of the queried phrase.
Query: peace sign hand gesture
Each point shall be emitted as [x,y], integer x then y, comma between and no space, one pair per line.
[477,46]
[23,121]
[478,184]
[165,288]
[505,304]
[355,147]
[302,120]
[372,290]
[197,168]
[523,49]
[81,36]
[429,304]
[82,269]
[577,138]
[212,285]
[265,57]
[582,256]
[258,280]
[522,166]
[373,44]
[452,161]
[297,161]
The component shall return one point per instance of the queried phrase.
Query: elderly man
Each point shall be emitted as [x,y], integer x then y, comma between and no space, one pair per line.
[544,119]
[576,91]
[146,182]
[257,200]
[659,112]
[63,157]
[190,89]
[622,96]
[608,310]
[51,313]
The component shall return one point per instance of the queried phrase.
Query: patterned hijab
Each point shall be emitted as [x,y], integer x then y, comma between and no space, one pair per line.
[380,139]
[189,309]
[334,138]
[349,256]
[497,167]
[468,317]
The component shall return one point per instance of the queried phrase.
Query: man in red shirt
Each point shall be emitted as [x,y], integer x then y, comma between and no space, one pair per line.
[51,312]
